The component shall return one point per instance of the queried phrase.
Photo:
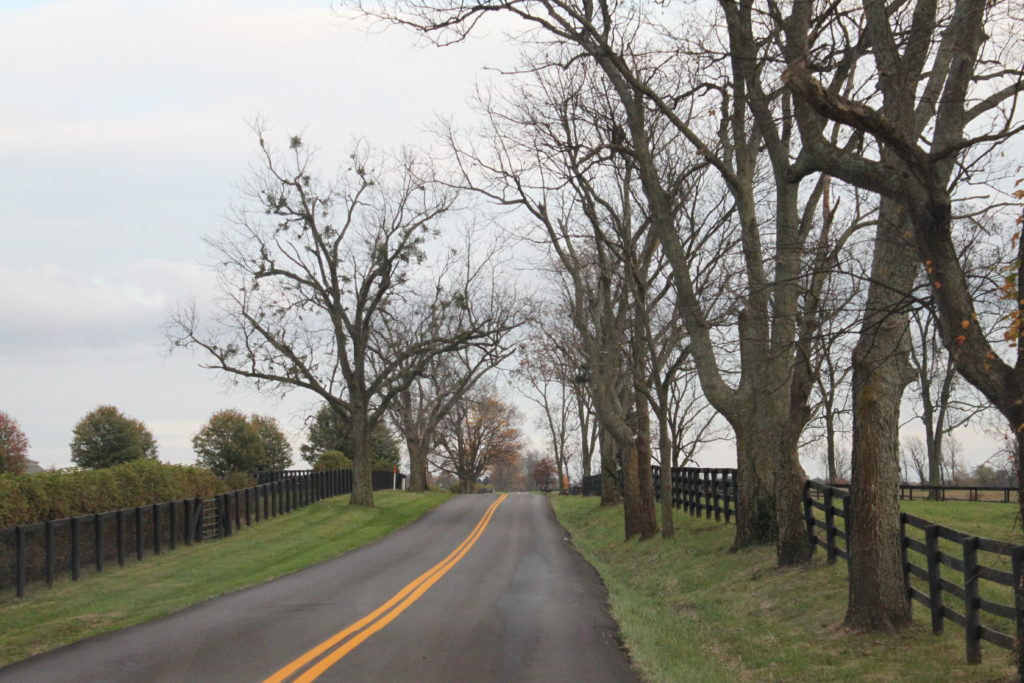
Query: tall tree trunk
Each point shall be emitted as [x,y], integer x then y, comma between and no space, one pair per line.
[830,444]
[792,547]
[631,506]
[881,370]
[417,464]
[588,433]
[362,472]
[755,500]
[665,452]
[648,522]
[770,486]
[610,493]
[935,464]
[560,469]
[931,444]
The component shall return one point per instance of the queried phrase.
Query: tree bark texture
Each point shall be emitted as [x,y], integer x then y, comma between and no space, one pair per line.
[362,472]
[610,494]
[665,452]
[648,522]
[417,465]
[881,370]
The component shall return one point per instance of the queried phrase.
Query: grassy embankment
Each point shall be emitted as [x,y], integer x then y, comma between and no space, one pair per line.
[690,610]
[71,611]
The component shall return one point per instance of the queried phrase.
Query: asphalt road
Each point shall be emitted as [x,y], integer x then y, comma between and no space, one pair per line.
[471,592]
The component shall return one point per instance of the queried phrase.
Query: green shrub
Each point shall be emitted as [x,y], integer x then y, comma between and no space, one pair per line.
[238,480]
[59,494]
[332,460]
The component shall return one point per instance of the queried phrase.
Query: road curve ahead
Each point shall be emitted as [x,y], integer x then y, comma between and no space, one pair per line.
[483,588]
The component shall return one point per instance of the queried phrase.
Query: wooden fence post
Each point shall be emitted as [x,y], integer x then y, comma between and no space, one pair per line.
[50,552]
[76,549]
[708,482]
[848,528]
[173,512]
[190,523]
[224,513]
[684,485]
[695,488]
[120,537]
[156,528]
[1018,601]
[19,560]
[972,598]
[809,515]
[904,554]
[717,498]
[830,527]
[730,481]
[140,535]
[931,540]
[98,540]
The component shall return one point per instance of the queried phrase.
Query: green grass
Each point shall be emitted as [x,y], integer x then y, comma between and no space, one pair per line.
[988,520]
[690,610]
[73,610]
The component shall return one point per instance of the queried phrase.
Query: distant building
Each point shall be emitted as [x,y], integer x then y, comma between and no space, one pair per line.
[31,466]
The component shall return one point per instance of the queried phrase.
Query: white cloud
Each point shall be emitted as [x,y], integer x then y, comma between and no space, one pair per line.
[50,309]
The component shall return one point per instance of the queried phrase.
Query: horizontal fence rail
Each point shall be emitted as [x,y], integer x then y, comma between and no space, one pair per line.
[77,545]
[977,494]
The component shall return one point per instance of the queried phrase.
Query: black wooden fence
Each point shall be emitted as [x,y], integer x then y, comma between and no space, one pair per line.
[708,490]
[45,550]
[969,598]
[960,578]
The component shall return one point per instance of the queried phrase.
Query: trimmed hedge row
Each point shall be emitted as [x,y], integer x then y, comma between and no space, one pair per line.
[27,499]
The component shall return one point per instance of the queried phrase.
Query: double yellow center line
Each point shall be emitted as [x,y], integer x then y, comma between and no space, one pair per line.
[326,654]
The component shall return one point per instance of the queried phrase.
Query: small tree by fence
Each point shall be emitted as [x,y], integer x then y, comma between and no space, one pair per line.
[43,551]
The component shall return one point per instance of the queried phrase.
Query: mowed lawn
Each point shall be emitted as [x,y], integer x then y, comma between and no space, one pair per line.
[72,610]
[690,610]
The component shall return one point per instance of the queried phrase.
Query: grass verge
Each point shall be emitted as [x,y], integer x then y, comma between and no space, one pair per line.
[690,610]
[73,610]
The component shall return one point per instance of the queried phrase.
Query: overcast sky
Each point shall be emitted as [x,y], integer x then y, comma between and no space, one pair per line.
[123,134]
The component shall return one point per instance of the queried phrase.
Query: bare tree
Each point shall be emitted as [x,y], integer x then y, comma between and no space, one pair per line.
[309,271]
[715,101]
[418,409]
[936,93]
[942,402]
[915,459]
[479,432]
[542,152]
[547,381]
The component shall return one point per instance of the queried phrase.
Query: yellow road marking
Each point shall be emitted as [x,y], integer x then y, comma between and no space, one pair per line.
[408,595]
